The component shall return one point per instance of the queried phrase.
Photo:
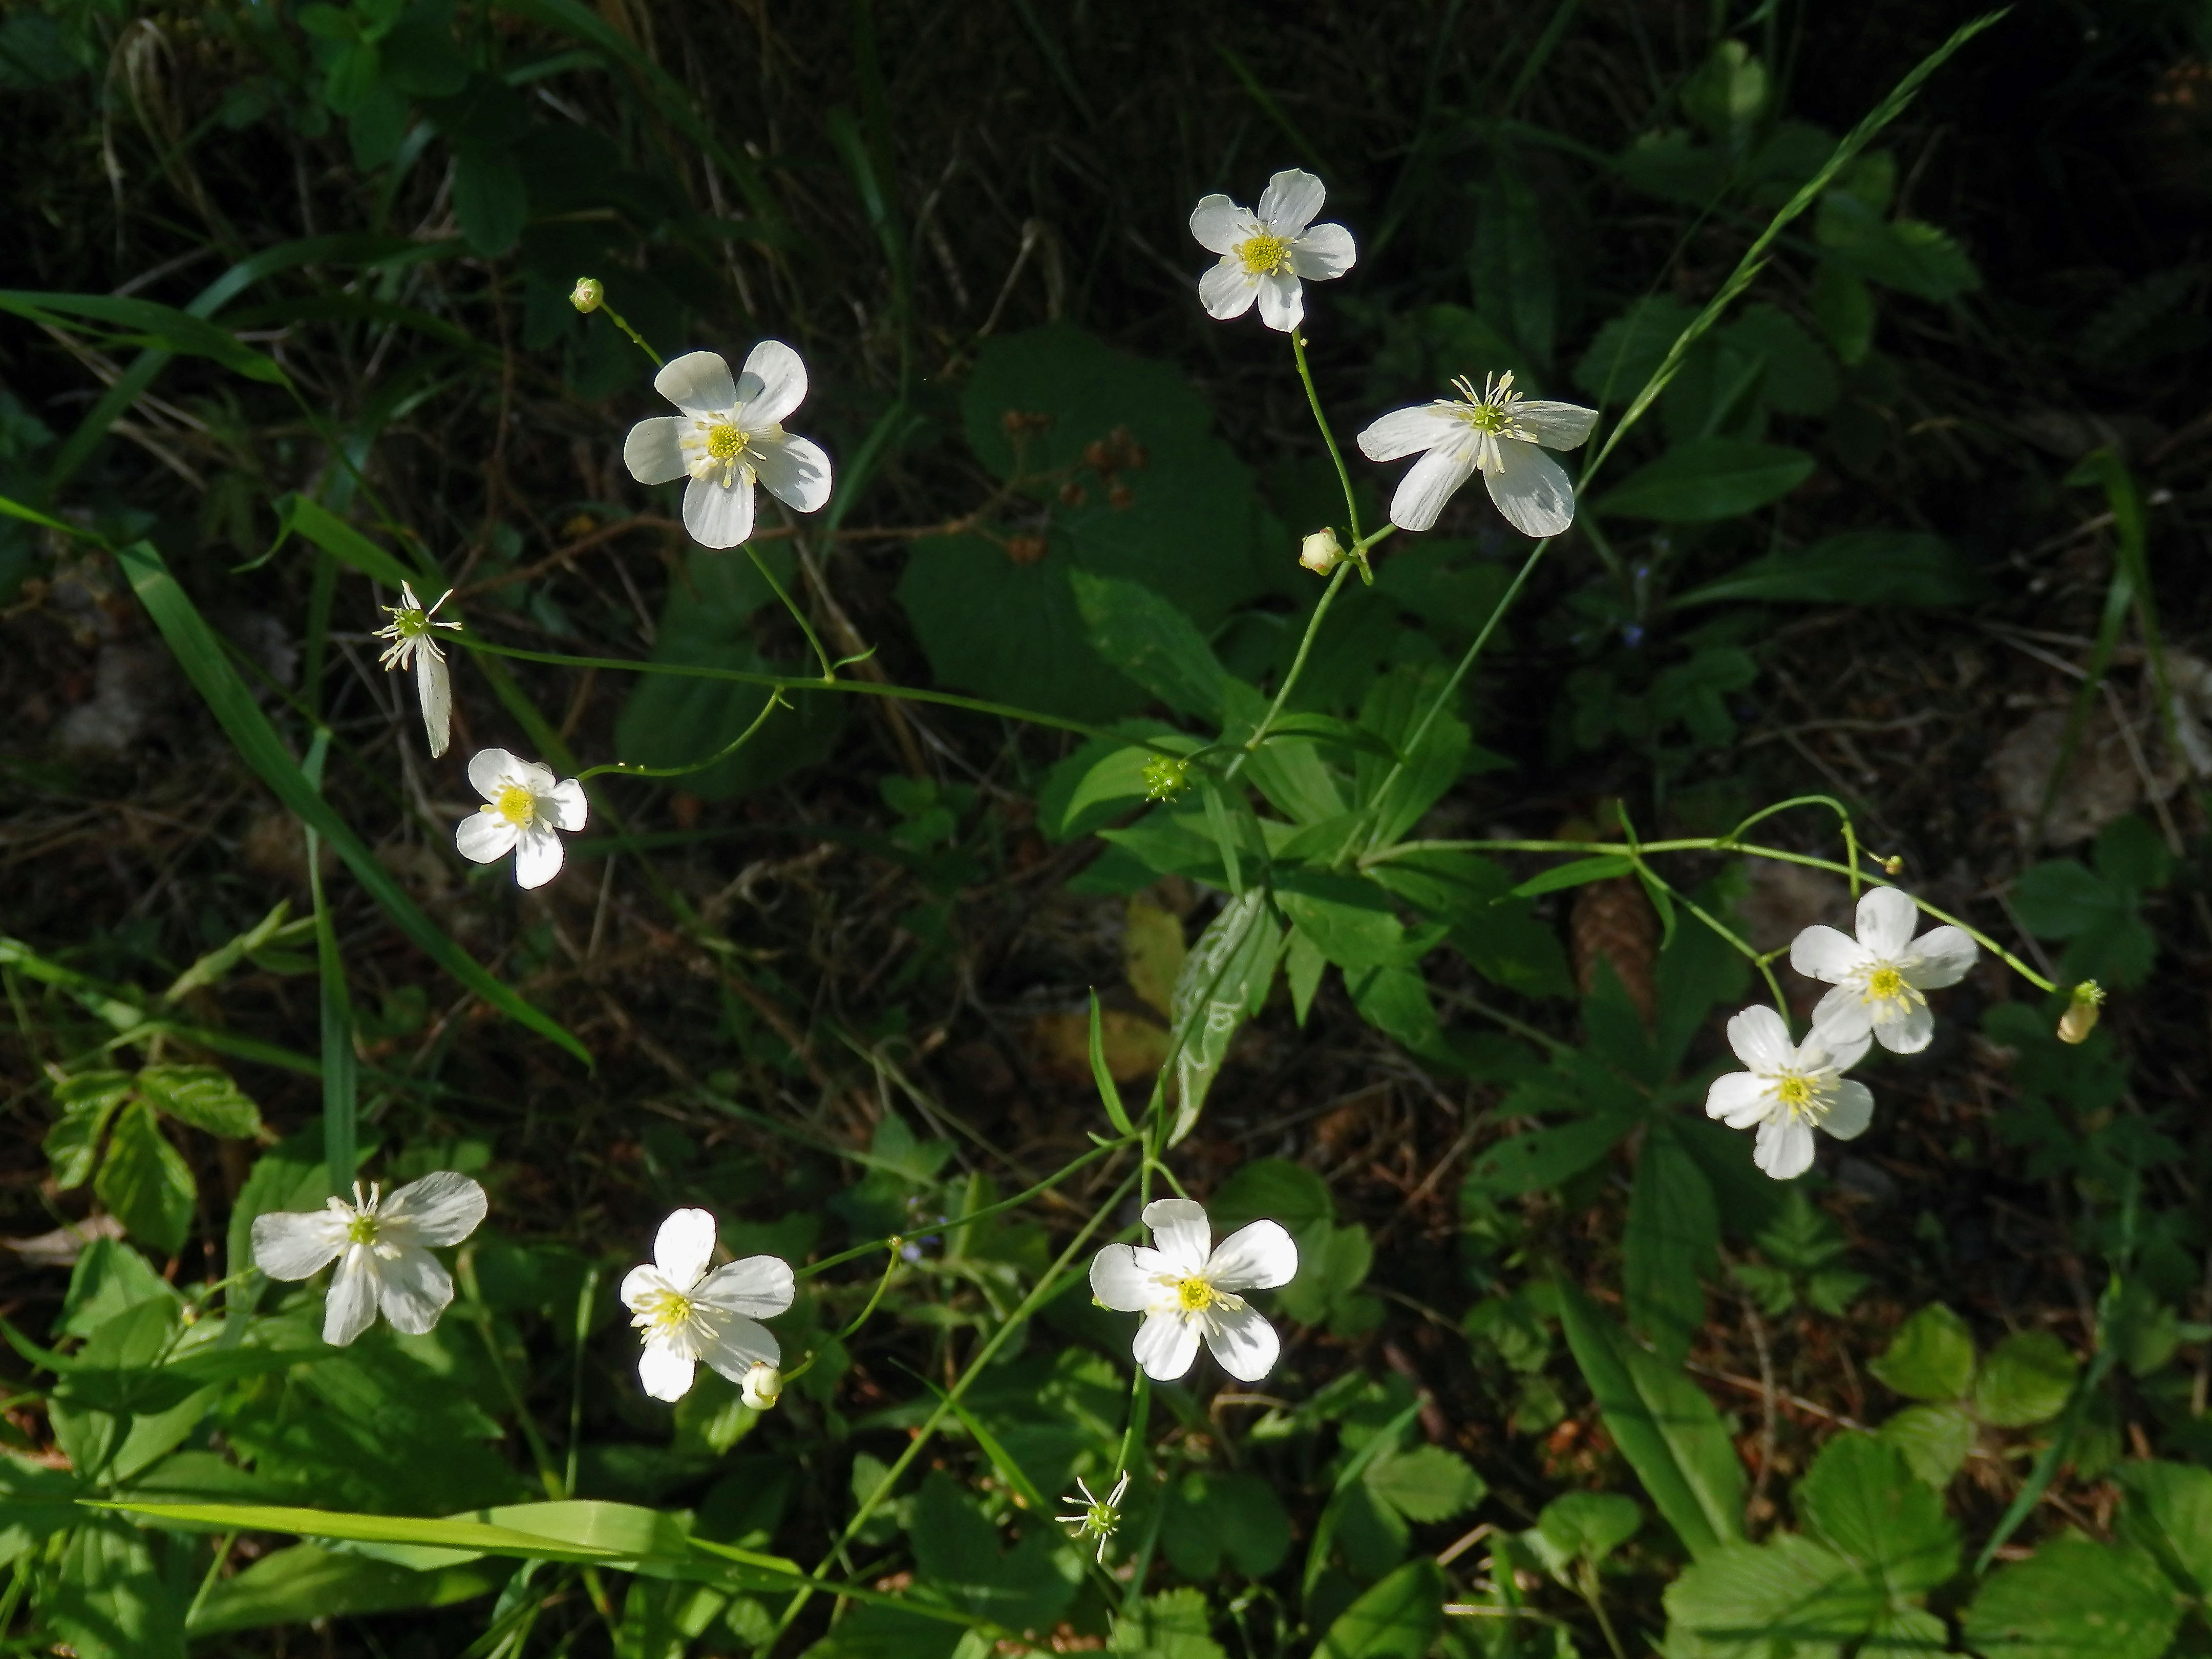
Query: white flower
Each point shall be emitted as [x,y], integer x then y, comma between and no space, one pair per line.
[409,630]
[1496,431]
[382,1247]
[689,1315]
[1265,255]
[1789,1090]
[728,436]
[1186,1290]
[762,1386]
[1096,1517]
[523,807]
[1880,975]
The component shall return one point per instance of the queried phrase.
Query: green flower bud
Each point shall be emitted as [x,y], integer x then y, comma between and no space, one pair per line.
[1164,776]
[2081,1016]
[588,295]
[1321,552]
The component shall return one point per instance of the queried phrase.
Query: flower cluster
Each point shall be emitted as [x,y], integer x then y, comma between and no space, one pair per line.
[1880,979]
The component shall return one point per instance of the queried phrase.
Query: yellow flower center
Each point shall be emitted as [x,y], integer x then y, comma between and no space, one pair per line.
[664,1311]
[1797,1097]
[515,804]
[1195,1294]
[1491,410]
[1885,984]
[1264,255]
[362,1229]
[725,442]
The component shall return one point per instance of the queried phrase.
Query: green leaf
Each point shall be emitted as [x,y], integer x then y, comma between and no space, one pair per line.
[1930,1357]
[996,613]
[1708,478]
[146,324]
[204,1097]
[2061,897]
[1152,641]
[88,1101]
[1800,377]
[145,1182]
[2169,1512]
[1860,567]
[1589,1526]
[1399,1617]
[1844,306]
[35,1502]
[1501,936]
[1577,873]
[1906,254]
[2025,1380]
[1224,981]
[491,203]
[1394,1000]
[1210,1515]
[546,1538]
[113,1601]
[1747,1601]
[1629,350]
[1862,1499]
[204,662]
[1172,1624]
[2075,1600]
[1673,1241]
[1272,1190]
[1933,1439]
[1536,1159]
[1664,1425]
[1426,1484]
[1350,920]
[299,515]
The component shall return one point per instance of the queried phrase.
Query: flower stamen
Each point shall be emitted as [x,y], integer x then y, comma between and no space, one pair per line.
[1264,255]
[515,804]
[1193,1295]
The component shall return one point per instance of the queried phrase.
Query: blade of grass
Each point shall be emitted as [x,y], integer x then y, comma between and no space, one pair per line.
[341,1070]
[201,657]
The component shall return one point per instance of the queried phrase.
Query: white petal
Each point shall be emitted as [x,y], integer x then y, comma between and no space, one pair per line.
[537,856]
[717,516]
[1431,482]
[1837,1050]
[565,806]
[1324,252]
[490,770]
[298,1245]
[645,1284]
[1291,200]
[1555,426]
[1826,953]
[485,837]
[1853,1110]
[1227,291]
[1258,1257]
[760,1286]
[1842,1016]
[794,470]
[654,451]
[1945,955]
[773,385]
[1408,431]
[1116,1279]
[1887,919]
[1784,1149]
[536,776]
[1166,1344]
[1219,224]
[413,1289]
[666,1373]
[434,690]
[351,1308]
[1282,302]
[699,383]
[735,1345]
[1182,1233]
[1531,490]
[684,1246]
[1760,1040]
[442,1208]
[1739,1099]
[1245,1344]
[1906,1031]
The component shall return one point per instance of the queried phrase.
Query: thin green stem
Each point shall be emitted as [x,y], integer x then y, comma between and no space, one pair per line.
[1328,437]
[796,615]
[623,768]
[637,338]
[890,1267]
[1291,679]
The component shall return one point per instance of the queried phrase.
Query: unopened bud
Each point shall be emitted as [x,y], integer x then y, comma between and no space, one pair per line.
[1164,776]
[2081,1016]
[763,1385]
[588,295]
[1321,552]
[1893,865]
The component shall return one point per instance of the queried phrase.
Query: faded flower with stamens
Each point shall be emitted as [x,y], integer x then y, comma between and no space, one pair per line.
[382,1247]
[1881,976]
[413,641]
[1188,1289]
[1790,1091]
[1270,254]
[523,808]
[729,437]
[686,1314]
[1096,1517]
[1496,431]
